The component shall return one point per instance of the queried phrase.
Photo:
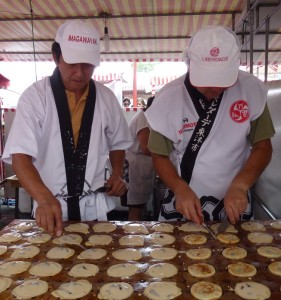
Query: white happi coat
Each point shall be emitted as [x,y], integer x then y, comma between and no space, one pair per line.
[36,132]
[226,149]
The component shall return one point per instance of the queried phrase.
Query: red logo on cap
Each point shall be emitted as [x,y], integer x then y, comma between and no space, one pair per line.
[239,112]
[215,51]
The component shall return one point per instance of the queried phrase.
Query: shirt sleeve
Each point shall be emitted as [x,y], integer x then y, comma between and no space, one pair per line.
[262,128]
[159,144]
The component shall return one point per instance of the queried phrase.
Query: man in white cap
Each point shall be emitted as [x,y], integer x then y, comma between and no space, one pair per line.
[211,133]
[66,126]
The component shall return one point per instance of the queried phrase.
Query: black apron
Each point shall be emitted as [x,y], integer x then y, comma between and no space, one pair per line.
[75,158]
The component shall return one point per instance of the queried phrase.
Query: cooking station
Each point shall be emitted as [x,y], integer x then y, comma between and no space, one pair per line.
[139,281]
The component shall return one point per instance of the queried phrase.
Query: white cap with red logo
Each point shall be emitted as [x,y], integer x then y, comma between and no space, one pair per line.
[214,57]
[79,42]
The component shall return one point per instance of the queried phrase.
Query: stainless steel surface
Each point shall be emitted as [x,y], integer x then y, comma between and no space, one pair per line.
[259,201]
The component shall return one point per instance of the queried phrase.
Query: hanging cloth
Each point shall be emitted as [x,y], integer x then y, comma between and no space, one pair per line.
[75,158]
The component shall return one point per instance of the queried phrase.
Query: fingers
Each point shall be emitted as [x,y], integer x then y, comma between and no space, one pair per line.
[191,210]
[51,222]
[58,223]
[119,187]
[235,211]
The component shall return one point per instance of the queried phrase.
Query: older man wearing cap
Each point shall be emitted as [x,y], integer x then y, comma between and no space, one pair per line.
[211,133]
[65,128]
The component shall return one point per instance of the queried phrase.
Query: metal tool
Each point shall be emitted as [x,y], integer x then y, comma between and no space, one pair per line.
[103,189]
[209,230]
[222,227]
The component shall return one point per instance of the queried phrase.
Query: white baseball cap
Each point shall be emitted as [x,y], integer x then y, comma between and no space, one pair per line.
[79,42]
[214,57]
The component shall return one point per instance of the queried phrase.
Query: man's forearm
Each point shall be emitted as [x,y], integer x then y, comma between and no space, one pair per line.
[117,158]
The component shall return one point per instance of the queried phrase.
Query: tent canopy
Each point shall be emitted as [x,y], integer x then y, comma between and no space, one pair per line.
[141,30]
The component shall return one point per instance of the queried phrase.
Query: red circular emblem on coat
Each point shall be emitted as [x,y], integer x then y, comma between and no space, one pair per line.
[215,51]
[239,112]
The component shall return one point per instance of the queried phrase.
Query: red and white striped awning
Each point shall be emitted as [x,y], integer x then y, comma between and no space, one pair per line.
[106,78]
[140,30]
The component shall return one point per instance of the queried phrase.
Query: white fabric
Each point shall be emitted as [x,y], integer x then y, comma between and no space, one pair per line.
[226,149]
[141,172]
[36,132]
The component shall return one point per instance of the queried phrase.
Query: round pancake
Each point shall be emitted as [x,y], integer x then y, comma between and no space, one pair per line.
[73,290]
[234,253]
[251,290]
[60,253]
[77,227]
[122,270]
[30,288]
[104,227]
[260,238]
[70,239]
[3,249]
[162,270]
[252,226]
[99,240]
[132,240]
[201,270]
[230,228]
[163,227]
[24,226]
[275,268]
[162,238]
[200,253]
[162,291]
[92,253]
[120,290]
[25,252]
[135,228]
[45,269]
[5,283]
[269,251]
[195,239]
[83,270]
[228,238]
[127,254]
[10,237]
[40,238]
[192,227]
[14,267]
[276,224]
[241,269]
[164,253]
[204,290]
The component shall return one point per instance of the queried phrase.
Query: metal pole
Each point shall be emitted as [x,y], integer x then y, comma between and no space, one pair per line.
[266,50]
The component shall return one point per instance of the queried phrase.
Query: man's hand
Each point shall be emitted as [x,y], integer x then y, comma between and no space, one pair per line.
[188,204]
[118,186]
[49,216]
[235,202]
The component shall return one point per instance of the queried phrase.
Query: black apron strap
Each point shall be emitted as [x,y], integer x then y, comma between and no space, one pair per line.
[207,111]
[75,158]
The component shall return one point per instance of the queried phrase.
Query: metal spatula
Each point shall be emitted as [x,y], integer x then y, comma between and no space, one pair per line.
[225,223]
[209,229]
